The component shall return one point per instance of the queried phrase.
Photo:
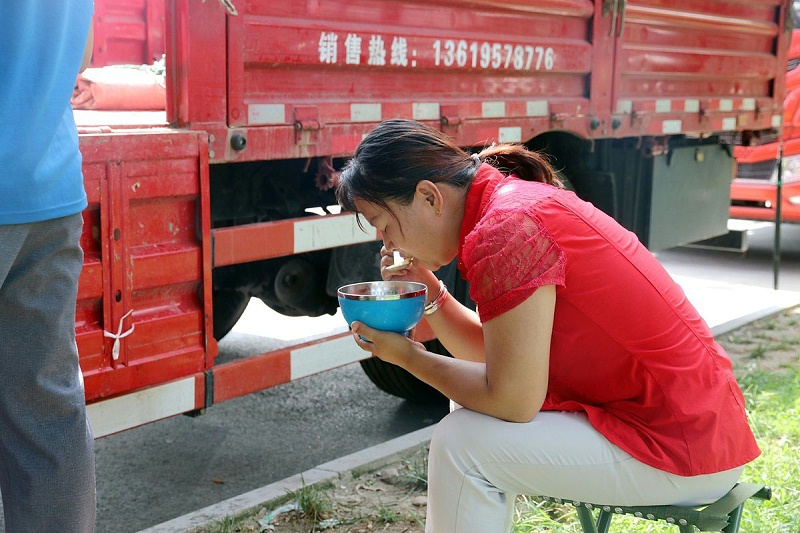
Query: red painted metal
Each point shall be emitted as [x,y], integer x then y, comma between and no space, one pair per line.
[705,50]
[253,374]
[128,31]
[765,195]
[296,68]
[252,242]
[147,252]
[196,65]
[759,196]
[315,59]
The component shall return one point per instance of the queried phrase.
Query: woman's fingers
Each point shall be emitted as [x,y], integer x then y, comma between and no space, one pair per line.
[393,264]
[391,347]
[400,266]
[361,333]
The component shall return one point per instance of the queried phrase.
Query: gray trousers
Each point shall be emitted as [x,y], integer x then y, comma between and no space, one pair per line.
[47,473]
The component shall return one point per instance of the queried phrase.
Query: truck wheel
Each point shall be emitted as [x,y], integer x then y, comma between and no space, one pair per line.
[229,305]
[399,382]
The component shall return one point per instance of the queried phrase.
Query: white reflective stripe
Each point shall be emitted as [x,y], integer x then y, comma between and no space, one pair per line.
[671,126]
[625,106]
[729,123]
[135,409]
[726,104]
[324,356]
[319,233]
[663,106]
[426,111]
[266,114]
[493,109]
[749,104]
[509,135]
[365,112]
[536,108]
[776,121]
[691,105]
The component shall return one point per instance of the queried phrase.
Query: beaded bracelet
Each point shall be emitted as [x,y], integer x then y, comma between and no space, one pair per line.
[438,301]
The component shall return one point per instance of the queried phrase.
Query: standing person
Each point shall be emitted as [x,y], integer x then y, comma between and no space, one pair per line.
[585,374]
[47,474]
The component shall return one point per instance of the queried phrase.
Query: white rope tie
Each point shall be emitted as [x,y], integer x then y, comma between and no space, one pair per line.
[119,335]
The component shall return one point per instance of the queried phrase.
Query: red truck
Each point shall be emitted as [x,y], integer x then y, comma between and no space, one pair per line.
[224,194]
[754,190]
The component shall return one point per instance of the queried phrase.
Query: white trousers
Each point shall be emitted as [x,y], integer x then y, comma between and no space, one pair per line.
[478,464]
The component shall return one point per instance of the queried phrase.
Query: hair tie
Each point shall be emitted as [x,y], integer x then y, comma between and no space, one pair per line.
[476,158]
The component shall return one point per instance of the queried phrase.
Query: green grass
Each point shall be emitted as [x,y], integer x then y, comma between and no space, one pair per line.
[314,501]
[773,401]
[415,476]
[758,352]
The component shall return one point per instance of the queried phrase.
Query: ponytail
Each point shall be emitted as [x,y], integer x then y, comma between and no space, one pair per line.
[523,163]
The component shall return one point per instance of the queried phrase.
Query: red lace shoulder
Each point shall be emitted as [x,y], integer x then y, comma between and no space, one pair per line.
[507,256]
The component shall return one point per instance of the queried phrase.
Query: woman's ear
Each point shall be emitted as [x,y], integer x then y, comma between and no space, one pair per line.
[430,195]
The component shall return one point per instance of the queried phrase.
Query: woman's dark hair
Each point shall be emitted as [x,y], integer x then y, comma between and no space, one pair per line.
[394,157]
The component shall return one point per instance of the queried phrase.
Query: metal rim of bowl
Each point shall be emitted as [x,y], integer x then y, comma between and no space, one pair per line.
[346,291]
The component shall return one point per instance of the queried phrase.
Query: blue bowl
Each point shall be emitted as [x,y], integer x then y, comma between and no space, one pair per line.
[386,305]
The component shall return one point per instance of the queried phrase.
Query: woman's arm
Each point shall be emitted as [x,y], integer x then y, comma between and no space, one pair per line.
[459,329]
[510,385]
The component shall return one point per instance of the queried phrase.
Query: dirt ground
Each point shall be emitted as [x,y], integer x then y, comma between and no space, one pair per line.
[389,500]
[392,499]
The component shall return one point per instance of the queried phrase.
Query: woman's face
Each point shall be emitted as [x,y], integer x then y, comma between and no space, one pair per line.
[417,230]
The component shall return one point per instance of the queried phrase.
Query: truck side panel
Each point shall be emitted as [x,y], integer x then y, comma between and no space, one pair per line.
[493,71]
[128,31]
[342,65]
[147,261]
[687,65]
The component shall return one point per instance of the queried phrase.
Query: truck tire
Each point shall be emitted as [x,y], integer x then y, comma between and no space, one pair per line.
[229,305]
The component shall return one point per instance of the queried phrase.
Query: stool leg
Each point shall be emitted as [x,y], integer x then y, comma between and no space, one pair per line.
[586,519]
[733,520]
[604,521]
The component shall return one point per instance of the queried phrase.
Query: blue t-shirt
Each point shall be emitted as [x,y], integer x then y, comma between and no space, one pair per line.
[42,44]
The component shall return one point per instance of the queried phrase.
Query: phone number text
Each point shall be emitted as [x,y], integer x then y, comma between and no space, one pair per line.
[492,55]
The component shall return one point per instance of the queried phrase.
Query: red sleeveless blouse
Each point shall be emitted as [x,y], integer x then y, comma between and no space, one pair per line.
[628,348]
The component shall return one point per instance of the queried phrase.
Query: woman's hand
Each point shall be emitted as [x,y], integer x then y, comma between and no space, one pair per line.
[412,272]
[391,347]
[387,264]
